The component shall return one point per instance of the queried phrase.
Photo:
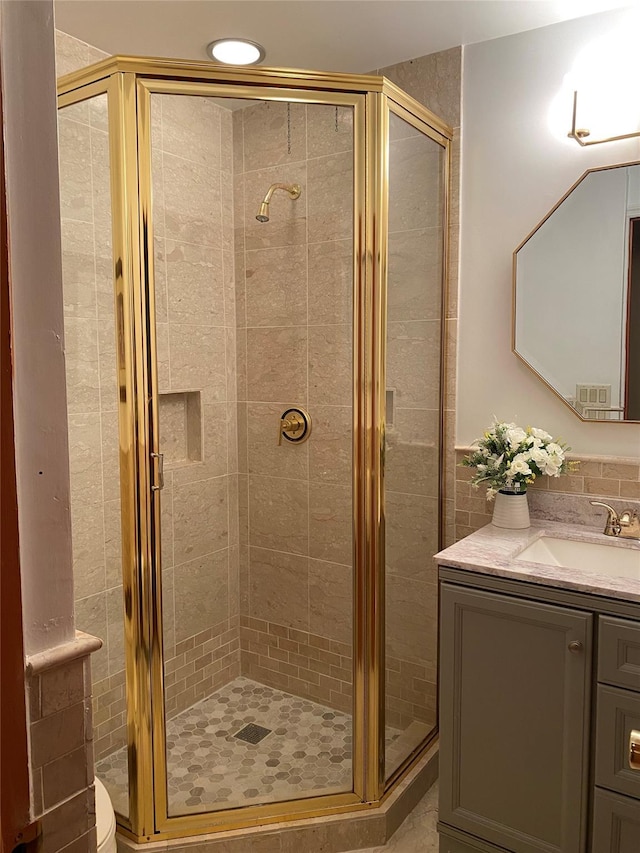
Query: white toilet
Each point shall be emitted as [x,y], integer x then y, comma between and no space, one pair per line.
[105,820]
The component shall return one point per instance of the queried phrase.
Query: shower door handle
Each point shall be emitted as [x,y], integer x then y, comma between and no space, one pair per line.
[160,485]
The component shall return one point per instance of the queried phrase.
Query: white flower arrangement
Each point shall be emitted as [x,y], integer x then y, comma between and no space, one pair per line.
[509,458]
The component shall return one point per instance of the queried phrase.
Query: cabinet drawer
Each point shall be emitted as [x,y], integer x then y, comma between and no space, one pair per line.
[618,716]
[619,652]
[616,824]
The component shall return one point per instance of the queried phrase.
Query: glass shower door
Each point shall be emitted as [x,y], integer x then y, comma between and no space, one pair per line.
[254,320]
[413,437]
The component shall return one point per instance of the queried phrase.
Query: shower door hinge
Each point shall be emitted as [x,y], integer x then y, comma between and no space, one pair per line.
[160,485]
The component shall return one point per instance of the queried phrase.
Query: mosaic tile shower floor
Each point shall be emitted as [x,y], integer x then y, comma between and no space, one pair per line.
[307,753]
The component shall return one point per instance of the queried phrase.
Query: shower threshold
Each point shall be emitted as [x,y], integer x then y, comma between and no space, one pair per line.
[306,753]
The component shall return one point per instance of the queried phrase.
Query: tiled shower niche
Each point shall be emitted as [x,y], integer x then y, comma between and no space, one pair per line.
[181,418]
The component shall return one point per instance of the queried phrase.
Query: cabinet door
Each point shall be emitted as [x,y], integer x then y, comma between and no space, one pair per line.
[514,720]
[616,823]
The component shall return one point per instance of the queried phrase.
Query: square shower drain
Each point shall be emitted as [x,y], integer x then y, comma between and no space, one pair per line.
[252,733]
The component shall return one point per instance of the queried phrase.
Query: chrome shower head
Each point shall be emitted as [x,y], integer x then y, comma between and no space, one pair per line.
[294,193]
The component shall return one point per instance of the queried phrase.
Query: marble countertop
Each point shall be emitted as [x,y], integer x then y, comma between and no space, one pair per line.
[492,551]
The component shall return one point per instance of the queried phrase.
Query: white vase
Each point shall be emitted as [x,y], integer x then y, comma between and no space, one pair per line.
[511,510]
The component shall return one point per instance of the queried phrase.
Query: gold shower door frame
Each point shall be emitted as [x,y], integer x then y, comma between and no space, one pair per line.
[129,83]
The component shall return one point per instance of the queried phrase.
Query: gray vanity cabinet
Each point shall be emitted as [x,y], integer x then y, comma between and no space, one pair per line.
[514,723]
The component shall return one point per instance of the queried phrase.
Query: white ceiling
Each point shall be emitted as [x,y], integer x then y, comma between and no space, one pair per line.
[354,36]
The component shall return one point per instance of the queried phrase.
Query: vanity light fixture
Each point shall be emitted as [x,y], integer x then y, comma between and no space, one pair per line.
[602,85]
[236,51]
[581,134]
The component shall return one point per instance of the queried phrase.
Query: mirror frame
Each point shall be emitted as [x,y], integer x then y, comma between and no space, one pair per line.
[524,361]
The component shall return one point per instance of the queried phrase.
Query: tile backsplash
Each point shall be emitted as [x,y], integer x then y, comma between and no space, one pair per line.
[613,480]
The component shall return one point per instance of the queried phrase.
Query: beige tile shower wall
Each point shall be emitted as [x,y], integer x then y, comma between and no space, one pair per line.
[614,480]
[294,289]
[195,322]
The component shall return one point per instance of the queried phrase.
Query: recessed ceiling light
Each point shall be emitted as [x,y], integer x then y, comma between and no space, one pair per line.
[236,51]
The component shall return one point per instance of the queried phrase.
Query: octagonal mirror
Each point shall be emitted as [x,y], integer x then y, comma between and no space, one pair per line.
[577,296]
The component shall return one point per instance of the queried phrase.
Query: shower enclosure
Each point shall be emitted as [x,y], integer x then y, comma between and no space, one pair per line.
[253,264]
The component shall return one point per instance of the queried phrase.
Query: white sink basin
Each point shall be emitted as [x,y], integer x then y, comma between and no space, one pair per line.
[588,556]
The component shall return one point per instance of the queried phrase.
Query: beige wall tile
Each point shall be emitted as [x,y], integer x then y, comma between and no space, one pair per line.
[411,524]
[101,193]
[78,273]
[64,777]
[434,80]
[229,287]
[198,361]
[201,594]
[110,456]
[168,614]
[115,629]
[268,128]
[330,365]
[287,225]
[413,363]
[415,275]
[279,588]
[200,519]
[57,734]
[191,128]
[61,687]
[331,600]
[73,54]
[192,202]
[74,147]
[166,521]
[620,472]
[277,365]
[629,489]
[87,526]
[66,824]
[91,617]
[104,287]
[329,129]
[265,455]
[240,289]
[227,212]
[414,184]
[276,286]
[172,416]
[330,523]
[410,605]
[330,282]
[237,119]
[85,458]
[214,447]
[81,359]
[194,284]
[279,514]
[109,393]
[112,544]
[99,112]
[412,457]
[330,444]
[162,355]
[330,197]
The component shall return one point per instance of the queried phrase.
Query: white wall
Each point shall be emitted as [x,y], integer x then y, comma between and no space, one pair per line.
[514,171]
[42,463]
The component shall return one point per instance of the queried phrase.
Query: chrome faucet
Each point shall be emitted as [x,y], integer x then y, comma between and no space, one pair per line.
[626,525]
